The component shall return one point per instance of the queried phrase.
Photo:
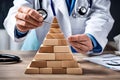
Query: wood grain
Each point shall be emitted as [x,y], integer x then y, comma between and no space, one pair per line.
[90,71]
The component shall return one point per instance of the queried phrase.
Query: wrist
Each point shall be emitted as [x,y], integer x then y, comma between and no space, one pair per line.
[97,48]
[21,31]
[19,34]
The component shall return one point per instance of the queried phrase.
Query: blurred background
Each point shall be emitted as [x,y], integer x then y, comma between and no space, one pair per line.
[6,43]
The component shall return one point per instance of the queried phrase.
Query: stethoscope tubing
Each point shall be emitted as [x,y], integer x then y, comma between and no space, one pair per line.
[9,58]
[82,11]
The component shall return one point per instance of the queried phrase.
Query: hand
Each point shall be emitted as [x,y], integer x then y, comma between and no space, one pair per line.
[81,43]
[27,18]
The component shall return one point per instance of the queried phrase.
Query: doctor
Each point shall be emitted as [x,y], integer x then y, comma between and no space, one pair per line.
[85,23]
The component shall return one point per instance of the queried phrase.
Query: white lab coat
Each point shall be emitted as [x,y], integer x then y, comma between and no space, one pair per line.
[97,22]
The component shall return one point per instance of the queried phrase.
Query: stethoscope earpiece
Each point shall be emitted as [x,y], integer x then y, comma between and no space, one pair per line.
[43,13]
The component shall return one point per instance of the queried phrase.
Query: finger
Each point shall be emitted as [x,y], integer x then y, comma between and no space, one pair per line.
[87,43]
[33,13]
[79,50]
[80,46]
[26,24]
[83,39]
[22,28]
[79,37]
[24,9]
[27,18]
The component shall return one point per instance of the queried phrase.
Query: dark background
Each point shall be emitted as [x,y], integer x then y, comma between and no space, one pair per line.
[115,11]
[4,7]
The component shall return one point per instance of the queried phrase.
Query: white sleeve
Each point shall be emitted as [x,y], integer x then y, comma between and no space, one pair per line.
[100,21]
[10,20]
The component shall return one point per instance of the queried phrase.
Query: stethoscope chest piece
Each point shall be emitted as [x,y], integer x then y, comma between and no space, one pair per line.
[82,10]
[43,13]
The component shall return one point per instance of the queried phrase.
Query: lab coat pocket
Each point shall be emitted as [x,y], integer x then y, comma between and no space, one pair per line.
[78,25]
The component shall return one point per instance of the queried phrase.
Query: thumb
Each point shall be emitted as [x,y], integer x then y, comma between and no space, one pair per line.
[73,38]
[79,37]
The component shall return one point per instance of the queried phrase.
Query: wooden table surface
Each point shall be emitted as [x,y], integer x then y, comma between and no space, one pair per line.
[91,71]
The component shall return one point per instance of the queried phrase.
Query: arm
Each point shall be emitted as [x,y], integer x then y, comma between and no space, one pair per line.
[98,25]
[21,17]
[100,21]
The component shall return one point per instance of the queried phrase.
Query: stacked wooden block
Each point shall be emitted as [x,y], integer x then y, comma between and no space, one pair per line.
[54,55]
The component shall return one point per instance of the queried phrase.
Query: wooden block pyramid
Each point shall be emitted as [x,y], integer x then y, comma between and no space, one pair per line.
[54,55]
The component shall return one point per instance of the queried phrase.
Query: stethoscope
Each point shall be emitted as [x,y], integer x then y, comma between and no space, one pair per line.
[42,11]
[114,62]
[80,11]
[9,58]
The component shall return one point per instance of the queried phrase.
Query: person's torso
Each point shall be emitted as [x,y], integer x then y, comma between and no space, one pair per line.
[70,25]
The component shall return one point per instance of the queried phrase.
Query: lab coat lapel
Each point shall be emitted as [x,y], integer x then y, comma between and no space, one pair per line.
[63,17]
[61,5]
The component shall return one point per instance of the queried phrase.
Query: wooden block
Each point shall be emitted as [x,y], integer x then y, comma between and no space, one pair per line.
[55,42]
[74,70]
[63,56]
[55,36]
[45,70]
[51,42]
[54,25]
[79,65]
[62,49]
[39,64]
[70,64]
[63,42]
[44,56]
[46,49]
[31,70]
[55,20]
[59,71]
[54,64]
[55,30]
